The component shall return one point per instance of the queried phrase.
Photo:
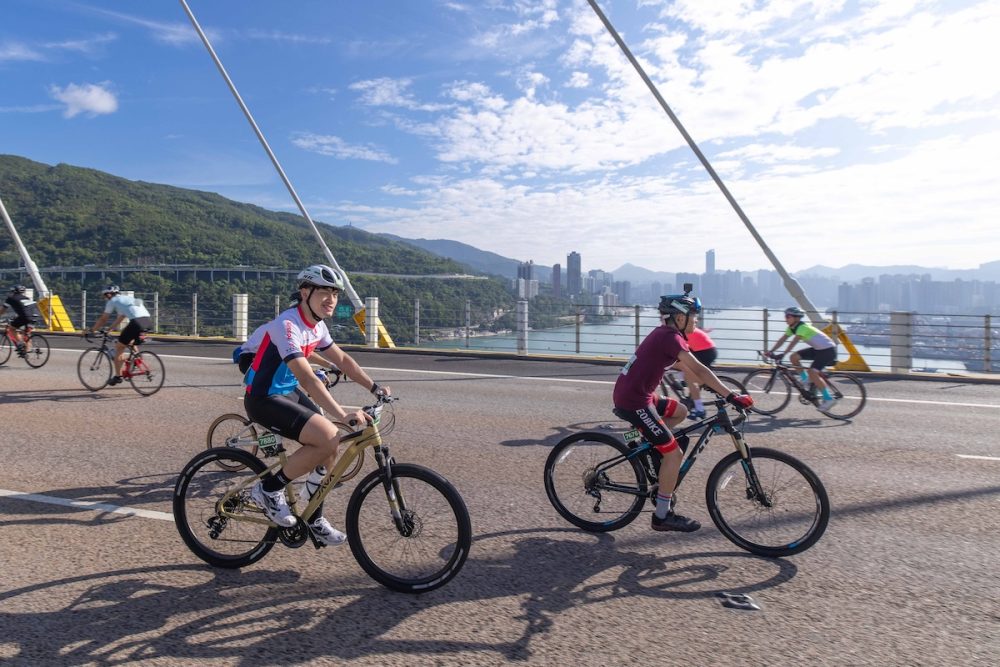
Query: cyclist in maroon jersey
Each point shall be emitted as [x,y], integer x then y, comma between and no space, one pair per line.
[636,400]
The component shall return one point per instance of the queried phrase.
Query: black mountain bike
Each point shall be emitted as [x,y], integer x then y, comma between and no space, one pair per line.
[763,500]
[771,389]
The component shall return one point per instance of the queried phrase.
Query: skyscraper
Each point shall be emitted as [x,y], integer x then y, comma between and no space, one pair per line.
[710,262]
[556,280]
[574,285]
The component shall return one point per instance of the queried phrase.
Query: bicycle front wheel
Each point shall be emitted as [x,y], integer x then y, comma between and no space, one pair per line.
[5,350]
[850,395]
[592,484]
[147,373]
[426,545]
[770,391]
[39,352]
[232,430]
[231,539]
[787,514]
[94,368]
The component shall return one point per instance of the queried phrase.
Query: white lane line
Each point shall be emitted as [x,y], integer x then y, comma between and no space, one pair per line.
[603,382]
[981,458]
[86,505]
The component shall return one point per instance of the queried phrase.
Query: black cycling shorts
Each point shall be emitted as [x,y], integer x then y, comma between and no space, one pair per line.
[706,357]
[649,421]
[22,321]
[134,330]
[245,360]
[285,414]
[820,358]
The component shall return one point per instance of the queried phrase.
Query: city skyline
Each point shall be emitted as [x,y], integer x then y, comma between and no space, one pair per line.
[846,131]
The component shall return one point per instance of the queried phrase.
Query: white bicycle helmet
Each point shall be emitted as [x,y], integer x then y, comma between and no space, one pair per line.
[320,275]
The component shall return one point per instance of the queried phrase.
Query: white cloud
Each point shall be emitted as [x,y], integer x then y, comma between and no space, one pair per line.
[336,147]
[578,80]
[15,51]
[91,99]
[391,93]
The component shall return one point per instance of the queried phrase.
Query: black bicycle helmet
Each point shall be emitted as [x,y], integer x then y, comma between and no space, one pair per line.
[679,303]
[18,289]
[795,311]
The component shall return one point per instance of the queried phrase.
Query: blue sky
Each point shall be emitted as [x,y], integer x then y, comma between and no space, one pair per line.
[850,132]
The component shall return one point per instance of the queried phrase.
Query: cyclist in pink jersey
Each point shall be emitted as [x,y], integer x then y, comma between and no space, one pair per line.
[636,400]
[703,349]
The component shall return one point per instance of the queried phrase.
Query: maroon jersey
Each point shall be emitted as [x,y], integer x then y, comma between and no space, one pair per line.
[636,386]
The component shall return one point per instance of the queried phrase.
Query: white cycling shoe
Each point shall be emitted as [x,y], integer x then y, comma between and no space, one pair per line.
[274,504]
[325,533]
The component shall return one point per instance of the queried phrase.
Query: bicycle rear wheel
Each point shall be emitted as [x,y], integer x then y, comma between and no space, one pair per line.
[436,534]
[146,374]
[850,394]
[94,368]
[731,383]
[232,430]
[39,352]
[770,391]
[222,541]
[5,350]
[592,484]
[788,518]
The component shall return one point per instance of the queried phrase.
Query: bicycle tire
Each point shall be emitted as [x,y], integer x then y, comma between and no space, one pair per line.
[200,487]
[94,368]
[6,349]
[573,487]
[743,519]
[146,373]
[770,396]
[426,500]
[235,431]
[734,385]
[850,393]
[39,353]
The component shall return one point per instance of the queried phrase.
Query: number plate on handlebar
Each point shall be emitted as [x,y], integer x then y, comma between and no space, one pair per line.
[634,434]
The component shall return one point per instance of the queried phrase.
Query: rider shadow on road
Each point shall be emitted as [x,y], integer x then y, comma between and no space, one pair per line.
[611,427]
[195,612]
[62,396]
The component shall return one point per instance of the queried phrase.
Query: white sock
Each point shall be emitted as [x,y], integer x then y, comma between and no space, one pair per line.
[663,504]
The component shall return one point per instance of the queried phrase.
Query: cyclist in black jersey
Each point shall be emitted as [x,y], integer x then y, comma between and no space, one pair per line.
[23,308]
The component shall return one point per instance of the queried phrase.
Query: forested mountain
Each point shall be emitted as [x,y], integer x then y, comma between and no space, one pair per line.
[72,216]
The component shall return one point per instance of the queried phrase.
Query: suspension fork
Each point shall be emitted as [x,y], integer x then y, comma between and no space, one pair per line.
[397,505]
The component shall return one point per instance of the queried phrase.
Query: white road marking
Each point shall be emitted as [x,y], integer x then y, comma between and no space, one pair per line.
[579,381]
[981,458]
[86,505]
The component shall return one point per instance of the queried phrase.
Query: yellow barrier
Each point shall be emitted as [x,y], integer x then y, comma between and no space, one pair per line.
[854,361]
[60,318]
[384,340]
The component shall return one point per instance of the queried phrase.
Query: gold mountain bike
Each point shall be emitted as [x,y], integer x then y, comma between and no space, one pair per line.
[407,526]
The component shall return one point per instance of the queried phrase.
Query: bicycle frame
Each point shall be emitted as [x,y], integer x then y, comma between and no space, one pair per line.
[718,423]
[791,374]
[360,440]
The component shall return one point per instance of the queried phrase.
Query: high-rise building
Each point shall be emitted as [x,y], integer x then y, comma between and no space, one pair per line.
[710,262]
[574,283]
[556,280]
[526,270]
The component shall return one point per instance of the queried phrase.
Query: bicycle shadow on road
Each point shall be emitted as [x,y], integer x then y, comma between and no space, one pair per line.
[195,612]
[762,424]
[63,396]
[131,492]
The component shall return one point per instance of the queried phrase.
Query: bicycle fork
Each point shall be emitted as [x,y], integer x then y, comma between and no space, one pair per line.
[397,505]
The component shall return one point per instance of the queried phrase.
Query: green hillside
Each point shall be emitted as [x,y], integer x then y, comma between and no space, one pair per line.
[72,216]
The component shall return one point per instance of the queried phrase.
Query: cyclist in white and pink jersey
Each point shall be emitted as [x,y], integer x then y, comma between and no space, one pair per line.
[279,367]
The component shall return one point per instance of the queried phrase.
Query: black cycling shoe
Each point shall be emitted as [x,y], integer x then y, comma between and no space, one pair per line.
[115,380]
[674,521]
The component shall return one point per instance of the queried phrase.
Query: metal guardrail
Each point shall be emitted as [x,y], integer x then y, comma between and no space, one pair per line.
[896,342]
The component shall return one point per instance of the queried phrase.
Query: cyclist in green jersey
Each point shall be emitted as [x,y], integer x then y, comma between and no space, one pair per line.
[822,351]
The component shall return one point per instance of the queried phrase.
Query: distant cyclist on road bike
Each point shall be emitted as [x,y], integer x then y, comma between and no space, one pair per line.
[636,401]
[24,315]
[279,367]
[822,351]
[124,306]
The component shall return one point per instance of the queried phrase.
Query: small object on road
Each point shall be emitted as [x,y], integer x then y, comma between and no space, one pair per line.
[740,601]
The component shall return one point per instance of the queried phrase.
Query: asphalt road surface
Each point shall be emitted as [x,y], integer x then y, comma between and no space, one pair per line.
[907,572]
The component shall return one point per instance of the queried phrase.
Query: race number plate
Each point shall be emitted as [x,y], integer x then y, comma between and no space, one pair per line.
[634,434]
[269,443]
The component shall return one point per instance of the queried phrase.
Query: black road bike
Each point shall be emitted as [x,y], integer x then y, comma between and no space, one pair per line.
[763,500]
[771,389]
